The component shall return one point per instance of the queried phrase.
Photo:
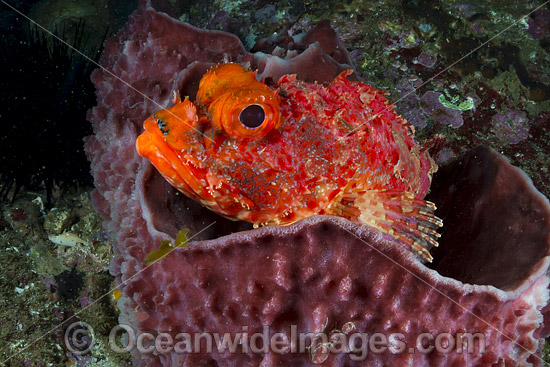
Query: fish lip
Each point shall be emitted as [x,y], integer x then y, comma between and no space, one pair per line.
[151,145]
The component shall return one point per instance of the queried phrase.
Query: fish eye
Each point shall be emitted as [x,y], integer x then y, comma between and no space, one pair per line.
[252,116]
[248,113]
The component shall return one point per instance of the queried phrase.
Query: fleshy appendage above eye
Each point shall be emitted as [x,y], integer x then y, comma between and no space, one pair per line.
[246,113]
[237,103]
[223,78]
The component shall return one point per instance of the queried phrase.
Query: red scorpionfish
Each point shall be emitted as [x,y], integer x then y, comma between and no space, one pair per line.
[274,155]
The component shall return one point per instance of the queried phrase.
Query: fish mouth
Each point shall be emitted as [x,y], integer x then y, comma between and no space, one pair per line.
[164,207]
[152,145]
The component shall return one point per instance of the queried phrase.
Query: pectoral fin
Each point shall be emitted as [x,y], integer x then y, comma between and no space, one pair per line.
[408,220]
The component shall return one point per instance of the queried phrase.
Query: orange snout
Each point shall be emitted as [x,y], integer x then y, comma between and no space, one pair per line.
[168,133]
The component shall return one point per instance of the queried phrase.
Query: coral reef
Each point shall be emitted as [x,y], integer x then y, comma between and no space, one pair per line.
[43,284]
[425,49]
[53,256]
[140,210]
[397,46]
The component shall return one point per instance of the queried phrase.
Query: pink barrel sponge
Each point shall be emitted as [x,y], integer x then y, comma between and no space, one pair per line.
[322,274]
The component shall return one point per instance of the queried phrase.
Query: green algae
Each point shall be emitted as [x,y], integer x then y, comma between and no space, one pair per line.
[167,246]
[455,104]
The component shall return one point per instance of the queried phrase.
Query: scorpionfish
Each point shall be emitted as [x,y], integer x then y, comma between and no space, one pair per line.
[272,155]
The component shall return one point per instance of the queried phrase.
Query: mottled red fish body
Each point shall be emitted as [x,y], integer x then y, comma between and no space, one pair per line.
[277,155]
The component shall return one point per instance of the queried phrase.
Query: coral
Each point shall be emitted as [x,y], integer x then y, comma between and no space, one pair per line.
[511,127]
[317,56]
[38,290]
[316,270]
[539,24]
[432,106]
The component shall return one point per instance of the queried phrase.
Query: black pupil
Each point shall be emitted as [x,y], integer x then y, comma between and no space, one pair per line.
[252,116]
